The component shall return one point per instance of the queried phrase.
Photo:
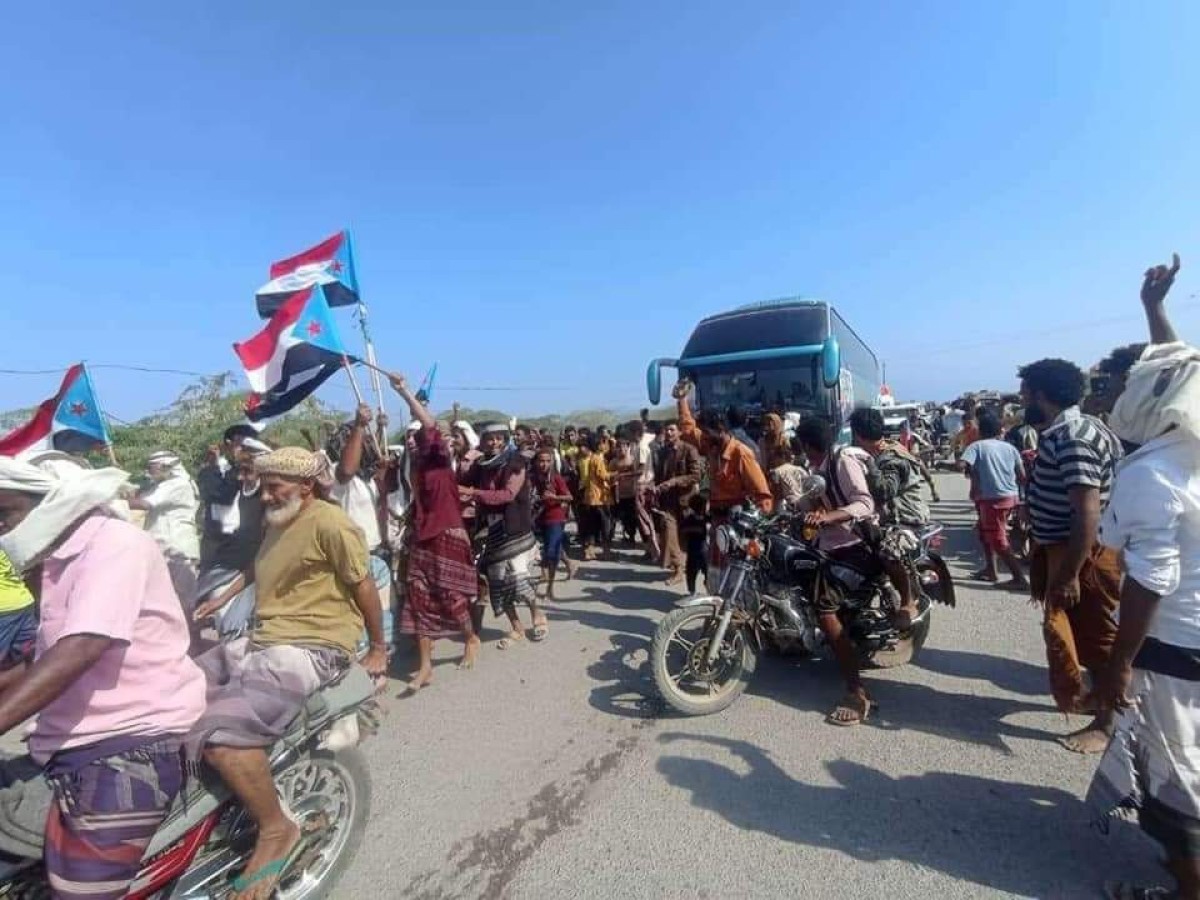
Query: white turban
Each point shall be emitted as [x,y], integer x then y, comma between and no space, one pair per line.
[64,502]
[1161,392]
[468,432]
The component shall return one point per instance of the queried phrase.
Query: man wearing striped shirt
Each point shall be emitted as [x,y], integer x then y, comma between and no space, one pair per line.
[1075,579]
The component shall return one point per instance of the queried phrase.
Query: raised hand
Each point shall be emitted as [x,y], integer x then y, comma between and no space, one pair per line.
[1158,281]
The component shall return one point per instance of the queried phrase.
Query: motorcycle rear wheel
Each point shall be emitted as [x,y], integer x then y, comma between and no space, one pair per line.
[907,649]
[677,658]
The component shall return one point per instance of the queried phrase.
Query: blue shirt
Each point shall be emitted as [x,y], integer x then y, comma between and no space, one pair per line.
[995,463]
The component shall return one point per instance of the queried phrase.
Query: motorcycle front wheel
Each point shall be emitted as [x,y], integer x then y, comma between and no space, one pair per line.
[678,656]
[330,793]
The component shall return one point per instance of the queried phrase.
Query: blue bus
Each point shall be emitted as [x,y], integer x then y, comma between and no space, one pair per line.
[789,355]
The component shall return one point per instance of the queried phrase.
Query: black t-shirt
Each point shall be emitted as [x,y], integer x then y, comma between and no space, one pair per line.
[236,550]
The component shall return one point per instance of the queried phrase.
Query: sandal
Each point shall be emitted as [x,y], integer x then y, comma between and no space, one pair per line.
[1121,890]
[509,640]
[540,631]
[982,575]
[853,709]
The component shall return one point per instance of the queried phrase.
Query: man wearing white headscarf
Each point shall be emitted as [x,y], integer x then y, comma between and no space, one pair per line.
[171,502]
[1153,678]
[111,684]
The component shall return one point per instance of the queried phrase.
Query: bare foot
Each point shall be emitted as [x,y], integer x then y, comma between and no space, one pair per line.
[264,868]
[1087,741]
[469,653]
[423,678]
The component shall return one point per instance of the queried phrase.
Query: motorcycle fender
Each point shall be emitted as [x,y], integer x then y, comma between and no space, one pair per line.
[943,572]
[708,600]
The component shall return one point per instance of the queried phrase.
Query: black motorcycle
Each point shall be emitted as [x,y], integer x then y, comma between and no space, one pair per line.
[705,651]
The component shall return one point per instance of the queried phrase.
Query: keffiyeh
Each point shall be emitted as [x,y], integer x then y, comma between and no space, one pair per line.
[64,502]
[1162,392]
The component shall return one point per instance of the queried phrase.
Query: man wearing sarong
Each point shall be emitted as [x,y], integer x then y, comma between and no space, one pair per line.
[111,684]
[441,579]
[500,487]
[314,593]
[1074,578]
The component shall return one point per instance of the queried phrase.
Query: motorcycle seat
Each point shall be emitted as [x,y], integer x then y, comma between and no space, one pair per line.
[203,794]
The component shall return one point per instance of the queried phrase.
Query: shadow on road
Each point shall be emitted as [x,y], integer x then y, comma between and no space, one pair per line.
[975,829]
[814,686]
[1011,675]
[628,687]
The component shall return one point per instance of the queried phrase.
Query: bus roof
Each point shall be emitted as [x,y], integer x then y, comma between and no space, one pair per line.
[780,303]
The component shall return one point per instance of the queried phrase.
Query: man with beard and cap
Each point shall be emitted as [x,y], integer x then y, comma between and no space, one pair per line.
[111,685]
[314,594]
[170,502]
[501,489]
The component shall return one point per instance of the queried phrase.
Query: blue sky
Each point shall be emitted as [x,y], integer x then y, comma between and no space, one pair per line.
[547,195]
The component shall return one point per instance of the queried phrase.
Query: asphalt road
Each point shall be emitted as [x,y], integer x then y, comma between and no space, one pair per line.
[551,772]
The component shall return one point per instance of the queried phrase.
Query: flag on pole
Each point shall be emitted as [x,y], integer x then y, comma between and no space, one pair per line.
[425,391]
[330,264]
[293,356]
[70,421]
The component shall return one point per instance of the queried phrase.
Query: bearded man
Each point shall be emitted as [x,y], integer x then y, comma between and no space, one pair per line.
[314,593]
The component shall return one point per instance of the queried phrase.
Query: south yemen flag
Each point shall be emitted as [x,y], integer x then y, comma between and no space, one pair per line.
[330,264]
[70,421]
[293,356]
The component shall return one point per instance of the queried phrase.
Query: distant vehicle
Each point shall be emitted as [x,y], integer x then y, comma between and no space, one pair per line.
[790,355]
[894,417]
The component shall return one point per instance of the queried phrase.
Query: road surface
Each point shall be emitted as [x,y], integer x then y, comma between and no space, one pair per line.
[551,772]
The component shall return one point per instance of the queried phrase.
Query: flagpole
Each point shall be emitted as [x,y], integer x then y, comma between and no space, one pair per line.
[358,396]
[376,384]
[108,445]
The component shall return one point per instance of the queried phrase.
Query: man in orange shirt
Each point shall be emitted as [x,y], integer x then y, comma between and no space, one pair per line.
[734,474]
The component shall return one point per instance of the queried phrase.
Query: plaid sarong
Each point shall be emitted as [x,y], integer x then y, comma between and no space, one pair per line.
[441,583]
[255,692]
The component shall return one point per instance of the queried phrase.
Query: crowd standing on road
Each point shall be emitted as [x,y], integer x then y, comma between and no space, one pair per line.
[301,562]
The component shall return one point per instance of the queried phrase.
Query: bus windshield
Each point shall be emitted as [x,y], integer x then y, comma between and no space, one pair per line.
[787,384]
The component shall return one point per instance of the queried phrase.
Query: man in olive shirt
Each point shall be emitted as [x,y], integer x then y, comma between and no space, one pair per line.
[314,592]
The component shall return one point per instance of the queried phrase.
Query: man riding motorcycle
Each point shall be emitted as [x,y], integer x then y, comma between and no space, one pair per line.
[111,684]
[314,593]
[848,501]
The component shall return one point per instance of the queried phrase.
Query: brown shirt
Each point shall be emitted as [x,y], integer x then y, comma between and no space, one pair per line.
[677,475]
[305,576]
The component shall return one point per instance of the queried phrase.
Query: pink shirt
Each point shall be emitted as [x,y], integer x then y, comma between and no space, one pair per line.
[109,578]
[851,477]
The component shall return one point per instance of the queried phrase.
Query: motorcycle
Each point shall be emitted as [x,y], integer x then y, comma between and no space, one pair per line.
[706,650]
[323,782]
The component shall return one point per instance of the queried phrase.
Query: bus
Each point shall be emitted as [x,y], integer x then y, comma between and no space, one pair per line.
[790,355]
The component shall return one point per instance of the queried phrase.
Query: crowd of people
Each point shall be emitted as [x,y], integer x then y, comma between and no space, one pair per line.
[199,632]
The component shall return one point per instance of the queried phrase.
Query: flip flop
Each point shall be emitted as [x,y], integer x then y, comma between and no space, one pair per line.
[851,704]
[509,640]
[274,869]
[982,576]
